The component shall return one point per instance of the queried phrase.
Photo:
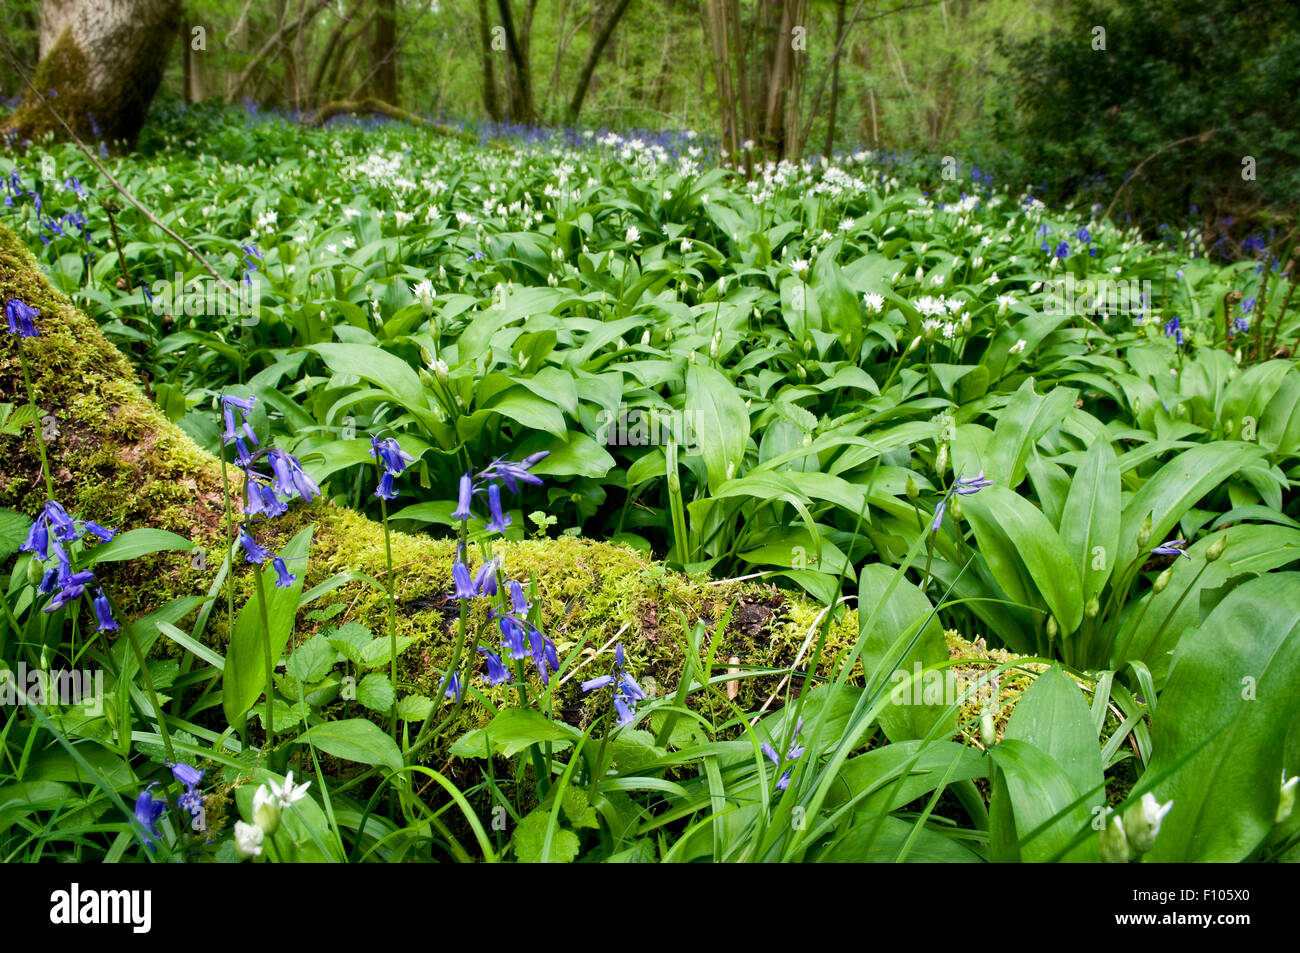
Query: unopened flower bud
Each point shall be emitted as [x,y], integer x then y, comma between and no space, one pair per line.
[266,810]
[1142,822]
[913,491]
[941,460]
[1053,630]
[955,508]
[1216,549]
[1092,608]
[916,342]
[1162,580]
[1114,841]
[988,728]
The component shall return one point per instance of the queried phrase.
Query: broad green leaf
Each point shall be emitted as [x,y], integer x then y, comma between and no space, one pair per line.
[135,543]
[720,420]
[1090,519]
[1231,698]
[1025,554]
[355,739]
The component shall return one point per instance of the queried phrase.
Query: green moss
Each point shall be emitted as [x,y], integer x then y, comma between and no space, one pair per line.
[59,70]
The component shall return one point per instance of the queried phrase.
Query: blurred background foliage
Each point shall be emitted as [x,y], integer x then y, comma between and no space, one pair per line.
[1159,110]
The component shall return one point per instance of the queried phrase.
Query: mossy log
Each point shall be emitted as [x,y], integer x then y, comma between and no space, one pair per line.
[377,107]
[117,460]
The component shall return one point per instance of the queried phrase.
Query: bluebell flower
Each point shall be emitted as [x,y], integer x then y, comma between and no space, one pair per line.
[104,613]
[793,752]
[485,580]
[103,533]
[189,776]
[626,691]
[262,499]
[290,478]
[236,433]
[465,497]
[453,689]
[38,539]
[1062,250]
[517,599]
[256,553]
[390,454]
[968,485]
[1172,548]
[1248,305]
[73,184]
[64,528]
[22,318]
[148,811]
[512,638]
[511,474]
[545,656]
[385,490]
[497,673]
[284,578]
[499,520]
[461,580]
[1173,329]
[1240,326]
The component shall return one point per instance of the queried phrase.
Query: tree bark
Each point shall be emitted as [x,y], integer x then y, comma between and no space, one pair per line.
[490,105]
[519,85]
[383,84]
[835,77]
[101,63]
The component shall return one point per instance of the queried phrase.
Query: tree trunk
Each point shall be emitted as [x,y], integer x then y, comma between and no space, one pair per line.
[519,86]
[489,77]
[101,63]
[383,84]
[835,77]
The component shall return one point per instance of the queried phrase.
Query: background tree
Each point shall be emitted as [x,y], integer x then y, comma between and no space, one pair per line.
[100,66]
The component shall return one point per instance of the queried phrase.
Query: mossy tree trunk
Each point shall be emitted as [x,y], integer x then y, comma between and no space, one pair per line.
[101,64]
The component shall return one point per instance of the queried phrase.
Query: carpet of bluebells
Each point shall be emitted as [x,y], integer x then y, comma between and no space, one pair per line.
[883,383]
